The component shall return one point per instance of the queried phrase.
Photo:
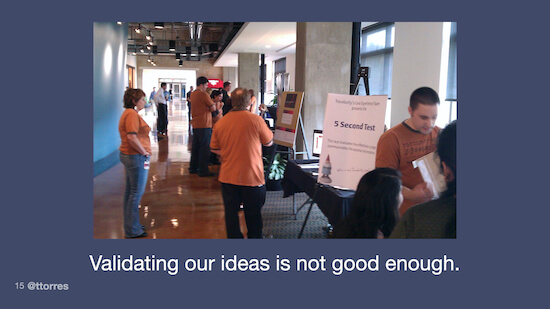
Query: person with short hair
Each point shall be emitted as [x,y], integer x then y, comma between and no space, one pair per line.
[189,105]
[162,110]
[135,150]
[410,140]
[226,99]
[437,218]
[152,95]
[238,139]
[201,120]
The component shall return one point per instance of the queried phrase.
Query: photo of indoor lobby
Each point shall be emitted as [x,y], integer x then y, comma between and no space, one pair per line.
[166,60]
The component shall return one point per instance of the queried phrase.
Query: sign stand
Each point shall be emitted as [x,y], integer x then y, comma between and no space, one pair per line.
[362,74]
[311,202]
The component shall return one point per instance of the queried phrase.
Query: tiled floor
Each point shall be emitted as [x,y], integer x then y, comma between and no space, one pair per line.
[176,204]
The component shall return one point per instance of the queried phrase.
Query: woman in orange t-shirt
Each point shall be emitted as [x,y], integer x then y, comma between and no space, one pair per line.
[135,150]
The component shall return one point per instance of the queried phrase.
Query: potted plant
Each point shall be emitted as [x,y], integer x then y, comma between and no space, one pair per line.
[274,172]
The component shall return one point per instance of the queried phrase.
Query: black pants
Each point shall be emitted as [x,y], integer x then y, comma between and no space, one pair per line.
[162,118]
[252,199]
[200,151]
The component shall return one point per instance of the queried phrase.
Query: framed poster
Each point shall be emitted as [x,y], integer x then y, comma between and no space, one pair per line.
[288,112]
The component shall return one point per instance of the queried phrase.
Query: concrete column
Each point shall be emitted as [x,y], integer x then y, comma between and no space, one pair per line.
[323,57]
[416,63]
[230,74]
[249,71]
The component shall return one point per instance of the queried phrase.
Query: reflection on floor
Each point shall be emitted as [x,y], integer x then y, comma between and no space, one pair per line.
[176,204]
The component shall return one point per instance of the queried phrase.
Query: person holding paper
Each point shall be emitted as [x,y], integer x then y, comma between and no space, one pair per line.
[238,139]
[437,218]
[408,141]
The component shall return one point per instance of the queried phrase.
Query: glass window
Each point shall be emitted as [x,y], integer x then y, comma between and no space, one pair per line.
[377,54]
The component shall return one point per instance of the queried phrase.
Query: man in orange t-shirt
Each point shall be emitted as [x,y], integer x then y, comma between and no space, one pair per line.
[408,141]
[238,138]
[201,114]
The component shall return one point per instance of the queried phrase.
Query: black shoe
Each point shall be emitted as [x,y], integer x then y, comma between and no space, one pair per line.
[193,171]
[144,234]
[207,174]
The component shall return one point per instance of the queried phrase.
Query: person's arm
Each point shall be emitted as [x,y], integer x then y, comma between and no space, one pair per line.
[134,142]
[266,136]
[421,193]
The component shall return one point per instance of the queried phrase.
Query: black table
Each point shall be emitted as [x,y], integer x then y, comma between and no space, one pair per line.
[334,203]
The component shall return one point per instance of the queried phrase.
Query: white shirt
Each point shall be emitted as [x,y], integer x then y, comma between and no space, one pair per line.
[159,96]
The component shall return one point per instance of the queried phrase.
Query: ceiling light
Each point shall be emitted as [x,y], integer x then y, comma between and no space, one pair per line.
[268,46]
[178,56]
[159,25]
[148,36]
[172,45]
[150,43]
[138,29]
[119,23]
[181,63]
[148,47]
[141,50]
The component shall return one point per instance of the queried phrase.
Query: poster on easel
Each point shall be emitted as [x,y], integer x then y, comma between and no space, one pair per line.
[353,124]
[288,113]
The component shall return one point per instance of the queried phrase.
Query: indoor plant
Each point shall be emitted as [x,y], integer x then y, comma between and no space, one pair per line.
[274,172]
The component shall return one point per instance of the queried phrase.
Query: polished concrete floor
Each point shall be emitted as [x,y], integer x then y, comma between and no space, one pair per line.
[176,204]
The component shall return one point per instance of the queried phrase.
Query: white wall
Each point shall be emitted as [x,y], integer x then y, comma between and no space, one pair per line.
[291,69]
[416,63]
[150,78]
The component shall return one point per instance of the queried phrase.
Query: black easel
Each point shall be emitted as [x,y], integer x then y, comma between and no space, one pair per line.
[311,201]
[362,74]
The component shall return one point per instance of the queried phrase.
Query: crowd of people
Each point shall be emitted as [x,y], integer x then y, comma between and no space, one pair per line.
[391,201]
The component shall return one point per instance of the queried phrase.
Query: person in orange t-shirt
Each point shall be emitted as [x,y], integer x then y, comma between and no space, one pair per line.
[135,150]
[201,120]
[412,139]
[238,138]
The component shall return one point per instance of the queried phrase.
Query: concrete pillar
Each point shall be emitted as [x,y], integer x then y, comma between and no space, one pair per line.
[230,74]
[416,63]
[249,71]
[323,57]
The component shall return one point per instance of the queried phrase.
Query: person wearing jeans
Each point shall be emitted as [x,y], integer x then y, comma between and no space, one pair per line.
[238,138]
[135,150]
[136,179]
[201,120]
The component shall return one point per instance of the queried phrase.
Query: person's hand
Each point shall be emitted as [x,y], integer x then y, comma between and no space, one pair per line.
[421,193]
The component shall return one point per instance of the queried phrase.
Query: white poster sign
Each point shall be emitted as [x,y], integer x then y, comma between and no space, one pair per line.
[353,124]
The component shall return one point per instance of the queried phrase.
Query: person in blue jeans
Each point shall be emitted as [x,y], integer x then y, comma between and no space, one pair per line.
[135,150]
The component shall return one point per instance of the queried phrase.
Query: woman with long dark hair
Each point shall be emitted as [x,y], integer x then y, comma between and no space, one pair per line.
[374,210]
[135,150]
